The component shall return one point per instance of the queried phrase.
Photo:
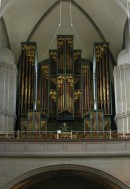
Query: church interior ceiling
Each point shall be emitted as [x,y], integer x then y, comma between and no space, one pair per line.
[38,21]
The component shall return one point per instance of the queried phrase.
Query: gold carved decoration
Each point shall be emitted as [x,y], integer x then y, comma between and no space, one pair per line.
[70,80]
[77,94]
[45,69]
[100,49]
[53,55]
[30,52]
[53,95]
[70,41]
[61,41]
[60,80]
[84,68]
[76,55]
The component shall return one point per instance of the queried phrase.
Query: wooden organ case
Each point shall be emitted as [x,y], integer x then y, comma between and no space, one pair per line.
[67,89]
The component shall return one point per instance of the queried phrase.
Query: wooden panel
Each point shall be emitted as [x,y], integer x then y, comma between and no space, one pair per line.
[24,124]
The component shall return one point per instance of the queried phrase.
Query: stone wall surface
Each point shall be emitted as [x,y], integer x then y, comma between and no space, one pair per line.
[8,79]
[21,158]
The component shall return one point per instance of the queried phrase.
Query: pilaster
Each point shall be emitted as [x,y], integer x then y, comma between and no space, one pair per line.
[122,96]
[8,73]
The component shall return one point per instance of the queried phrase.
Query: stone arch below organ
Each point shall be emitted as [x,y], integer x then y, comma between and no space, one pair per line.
[66,176]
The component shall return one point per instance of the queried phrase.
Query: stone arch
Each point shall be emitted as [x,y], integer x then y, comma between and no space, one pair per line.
[66,170]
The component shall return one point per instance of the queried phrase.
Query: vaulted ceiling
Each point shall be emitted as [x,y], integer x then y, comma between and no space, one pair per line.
[88,20]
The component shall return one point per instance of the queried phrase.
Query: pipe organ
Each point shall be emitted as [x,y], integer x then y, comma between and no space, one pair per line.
[65,87]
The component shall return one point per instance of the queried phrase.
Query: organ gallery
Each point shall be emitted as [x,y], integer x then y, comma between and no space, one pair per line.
[64,89]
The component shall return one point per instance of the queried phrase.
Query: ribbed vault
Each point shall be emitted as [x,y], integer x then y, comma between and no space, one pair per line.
[93,21]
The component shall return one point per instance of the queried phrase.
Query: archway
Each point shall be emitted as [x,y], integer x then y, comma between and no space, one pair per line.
[66,176]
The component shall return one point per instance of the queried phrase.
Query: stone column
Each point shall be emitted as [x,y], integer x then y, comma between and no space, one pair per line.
[122,92]
[8,73]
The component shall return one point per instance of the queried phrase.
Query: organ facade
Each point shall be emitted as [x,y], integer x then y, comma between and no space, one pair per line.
[64,89]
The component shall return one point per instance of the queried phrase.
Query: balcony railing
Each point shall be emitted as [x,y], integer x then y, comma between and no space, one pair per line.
[59,135]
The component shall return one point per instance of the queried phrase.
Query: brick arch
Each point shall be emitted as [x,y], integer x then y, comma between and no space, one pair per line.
[48,172]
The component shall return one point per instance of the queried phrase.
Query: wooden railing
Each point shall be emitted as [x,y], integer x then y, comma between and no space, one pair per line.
[73,135]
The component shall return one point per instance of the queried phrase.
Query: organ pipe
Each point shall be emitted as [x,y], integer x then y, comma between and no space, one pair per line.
[102,76]
[27,77]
